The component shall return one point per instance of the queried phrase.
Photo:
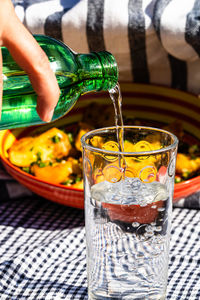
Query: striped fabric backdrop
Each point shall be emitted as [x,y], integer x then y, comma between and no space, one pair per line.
[154,41]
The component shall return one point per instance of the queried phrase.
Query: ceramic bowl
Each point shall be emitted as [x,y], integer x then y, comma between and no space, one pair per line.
[155,105]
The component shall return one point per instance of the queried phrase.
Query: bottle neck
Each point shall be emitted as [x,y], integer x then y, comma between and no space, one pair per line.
[98,70]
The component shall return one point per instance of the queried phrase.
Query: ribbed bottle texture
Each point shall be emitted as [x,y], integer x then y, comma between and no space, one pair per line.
[76,74]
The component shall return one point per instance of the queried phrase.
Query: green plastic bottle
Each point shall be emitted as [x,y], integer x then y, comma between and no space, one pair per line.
[76,74]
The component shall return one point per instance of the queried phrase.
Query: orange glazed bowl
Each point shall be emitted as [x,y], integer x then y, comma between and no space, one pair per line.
[154,105]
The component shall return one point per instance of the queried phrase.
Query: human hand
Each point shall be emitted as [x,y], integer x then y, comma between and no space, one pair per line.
[30,57]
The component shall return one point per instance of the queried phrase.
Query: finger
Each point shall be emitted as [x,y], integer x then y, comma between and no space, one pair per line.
[29,55]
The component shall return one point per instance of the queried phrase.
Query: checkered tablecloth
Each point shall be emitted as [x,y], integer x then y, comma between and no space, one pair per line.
[42,249]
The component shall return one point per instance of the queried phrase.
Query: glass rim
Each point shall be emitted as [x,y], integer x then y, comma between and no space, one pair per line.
[142,153]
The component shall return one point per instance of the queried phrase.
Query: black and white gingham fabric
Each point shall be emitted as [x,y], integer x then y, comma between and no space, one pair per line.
[42,251]
[184,266]
[153,41]
[43,256]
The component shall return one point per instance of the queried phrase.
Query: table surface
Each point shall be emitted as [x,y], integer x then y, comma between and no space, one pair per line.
[43,256]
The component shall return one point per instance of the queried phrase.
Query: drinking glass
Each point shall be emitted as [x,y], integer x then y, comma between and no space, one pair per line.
[128,207]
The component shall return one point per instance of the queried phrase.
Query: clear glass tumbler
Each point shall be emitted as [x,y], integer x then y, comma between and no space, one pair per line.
[128,207]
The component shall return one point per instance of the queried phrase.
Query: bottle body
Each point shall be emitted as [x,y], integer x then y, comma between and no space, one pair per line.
[76,74]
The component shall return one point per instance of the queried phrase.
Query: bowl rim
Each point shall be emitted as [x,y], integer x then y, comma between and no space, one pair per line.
[188,182]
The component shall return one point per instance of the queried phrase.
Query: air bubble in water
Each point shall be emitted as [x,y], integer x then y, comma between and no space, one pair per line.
[135,224]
